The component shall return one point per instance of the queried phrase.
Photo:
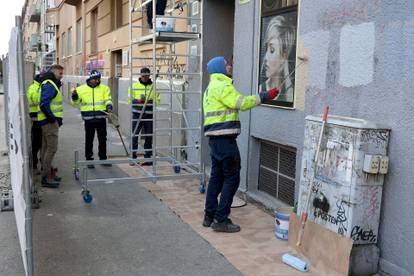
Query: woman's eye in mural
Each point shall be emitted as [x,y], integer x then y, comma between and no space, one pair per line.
[271,49]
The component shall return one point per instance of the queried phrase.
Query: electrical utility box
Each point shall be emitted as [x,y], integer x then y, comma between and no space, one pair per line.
[348,178]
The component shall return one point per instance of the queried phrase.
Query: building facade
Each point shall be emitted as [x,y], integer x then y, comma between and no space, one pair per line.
[351,55]
[39,32]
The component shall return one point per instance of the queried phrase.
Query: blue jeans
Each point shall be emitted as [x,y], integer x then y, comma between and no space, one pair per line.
[159,10]
[224,178]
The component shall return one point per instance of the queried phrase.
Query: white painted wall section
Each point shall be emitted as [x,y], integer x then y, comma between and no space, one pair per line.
[317,45]
[357,45]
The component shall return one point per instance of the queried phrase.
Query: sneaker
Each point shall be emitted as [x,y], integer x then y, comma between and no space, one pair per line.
[91,166]
[47,183]
[226,226]
[207,221]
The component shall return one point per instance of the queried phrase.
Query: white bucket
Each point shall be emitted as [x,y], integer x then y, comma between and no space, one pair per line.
[163,24]
[282,216]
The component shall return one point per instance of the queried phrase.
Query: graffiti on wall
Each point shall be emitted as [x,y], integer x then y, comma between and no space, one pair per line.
[96,64]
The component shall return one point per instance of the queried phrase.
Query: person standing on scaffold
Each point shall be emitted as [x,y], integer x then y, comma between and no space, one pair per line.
[142,100]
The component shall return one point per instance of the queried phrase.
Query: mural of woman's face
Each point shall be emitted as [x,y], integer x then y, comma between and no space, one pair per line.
[273,58]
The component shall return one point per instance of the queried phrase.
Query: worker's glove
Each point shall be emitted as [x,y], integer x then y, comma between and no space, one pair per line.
[143,98]
[269,95]
[109,108]
[75,96]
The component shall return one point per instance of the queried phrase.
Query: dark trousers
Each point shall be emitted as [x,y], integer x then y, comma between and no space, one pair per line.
[159,10]
[36,138]
[224,178]
[98,125]
[146,126]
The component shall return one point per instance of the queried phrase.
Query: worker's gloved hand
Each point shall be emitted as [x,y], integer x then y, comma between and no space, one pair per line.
[269,95]
[109,108]
[135,101]
[75,96]
[143,98]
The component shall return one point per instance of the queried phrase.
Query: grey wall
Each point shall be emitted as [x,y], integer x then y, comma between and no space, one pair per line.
[278,125]
[366,54]
[218,40]
[360,63]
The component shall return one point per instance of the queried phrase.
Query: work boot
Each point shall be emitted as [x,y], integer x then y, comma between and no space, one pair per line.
[207,221]
[91,166]
[54,176]
[49,183]
[146,163]
[226,226]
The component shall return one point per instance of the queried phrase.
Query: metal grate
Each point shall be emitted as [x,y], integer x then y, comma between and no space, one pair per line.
[277,171]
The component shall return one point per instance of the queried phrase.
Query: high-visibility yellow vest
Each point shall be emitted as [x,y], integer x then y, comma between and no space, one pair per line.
[139,90]
[221,104]
[56,106]
[93,101]
[33,97]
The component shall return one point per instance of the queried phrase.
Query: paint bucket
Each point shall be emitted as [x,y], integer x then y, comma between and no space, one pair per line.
[163,24]
[282,216]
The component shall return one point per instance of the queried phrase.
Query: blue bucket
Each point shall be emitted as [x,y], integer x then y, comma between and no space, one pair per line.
[282,216]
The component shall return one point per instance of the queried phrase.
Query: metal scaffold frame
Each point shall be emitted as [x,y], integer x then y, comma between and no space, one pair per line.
[167,160]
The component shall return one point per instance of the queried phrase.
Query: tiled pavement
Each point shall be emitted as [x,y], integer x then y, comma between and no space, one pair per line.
[254,251]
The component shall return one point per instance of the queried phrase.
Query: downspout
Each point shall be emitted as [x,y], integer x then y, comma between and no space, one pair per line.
[252,81]
[83,27]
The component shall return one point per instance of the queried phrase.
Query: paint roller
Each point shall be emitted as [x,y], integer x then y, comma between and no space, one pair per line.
[295,262]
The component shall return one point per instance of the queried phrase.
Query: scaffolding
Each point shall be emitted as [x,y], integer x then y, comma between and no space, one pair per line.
[177,117]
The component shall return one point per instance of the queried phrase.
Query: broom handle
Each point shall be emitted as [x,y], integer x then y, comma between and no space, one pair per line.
[304,215]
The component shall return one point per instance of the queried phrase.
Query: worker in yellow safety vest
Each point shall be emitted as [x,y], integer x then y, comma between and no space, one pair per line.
[142,100]
[50,117]
[33,100]
[95,101]
[222,103]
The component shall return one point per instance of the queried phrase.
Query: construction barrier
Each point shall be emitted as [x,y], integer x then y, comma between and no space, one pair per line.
[19,144]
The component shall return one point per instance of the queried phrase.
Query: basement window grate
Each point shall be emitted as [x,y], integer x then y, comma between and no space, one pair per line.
[277,171]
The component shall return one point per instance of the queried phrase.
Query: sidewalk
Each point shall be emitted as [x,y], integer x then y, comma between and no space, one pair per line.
[125,231]
[253,251]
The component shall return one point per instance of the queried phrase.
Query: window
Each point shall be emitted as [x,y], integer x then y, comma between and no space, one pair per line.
[116,14]
[69,44]
[79,39]
[63,45]
[278,50]
[277,171]
[94,31]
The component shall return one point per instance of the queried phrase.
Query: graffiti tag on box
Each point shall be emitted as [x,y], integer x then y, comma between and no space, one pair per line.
[339,220]
[325,217]
[360,234]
